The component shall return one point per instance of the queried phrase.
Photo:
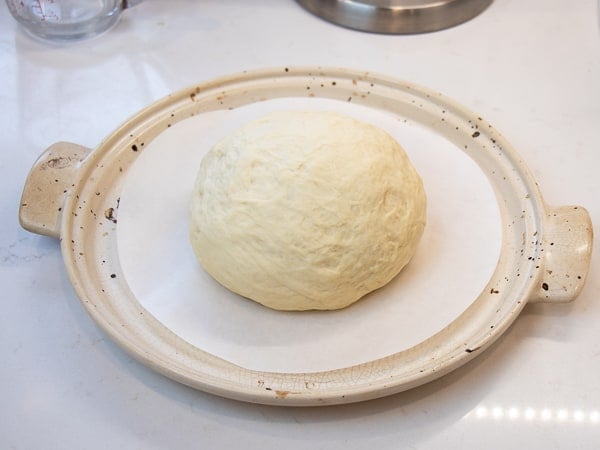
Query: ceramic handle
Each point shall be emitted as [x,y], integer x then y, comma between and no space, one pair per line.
[50,179]
[567,244]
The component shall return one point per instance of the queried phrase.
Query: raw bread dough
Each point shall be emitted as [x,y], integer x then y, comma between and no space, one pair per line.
[306,210]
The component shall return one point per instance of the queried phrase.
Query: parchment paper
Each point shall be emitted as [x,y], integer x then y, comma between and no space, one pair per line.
[455,258]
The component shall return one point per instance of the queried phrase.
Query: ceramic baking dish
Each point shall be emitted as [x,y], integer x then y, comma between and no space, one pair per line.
[73,193]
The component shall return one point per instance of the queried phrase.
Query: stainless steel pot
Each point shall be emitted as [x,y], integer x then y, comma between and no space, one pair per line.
[396,16]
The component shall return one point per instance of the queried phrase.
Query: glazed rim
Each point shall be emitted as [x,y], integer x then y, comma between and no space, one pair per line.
[89,244]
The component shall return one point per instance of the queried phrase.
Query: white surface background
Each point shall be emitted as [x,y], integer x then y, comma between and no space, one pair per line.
[530,68]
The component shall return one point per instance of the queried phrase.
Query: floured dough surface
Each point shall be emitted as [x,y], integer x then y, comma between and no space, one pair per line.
[306,210]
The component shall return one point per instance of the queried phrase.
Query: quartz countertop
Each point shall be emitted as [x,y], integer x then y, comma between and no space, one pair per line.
[530,68]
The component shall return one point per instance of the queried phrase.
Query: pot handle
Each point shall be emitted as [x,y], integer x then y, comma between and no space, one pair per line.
[567,244]
[49,182]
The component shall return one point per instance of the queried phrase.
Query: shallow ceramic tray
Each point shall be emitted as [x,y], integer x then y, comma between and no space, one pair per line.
[73,194]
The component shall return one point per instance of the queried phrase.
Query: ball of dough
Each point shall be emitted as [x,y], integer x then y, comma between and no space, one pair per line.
[306,210]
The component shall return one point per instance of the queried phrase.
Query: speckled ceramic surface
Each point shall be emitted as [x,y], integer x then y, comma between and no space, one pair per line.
[74,195]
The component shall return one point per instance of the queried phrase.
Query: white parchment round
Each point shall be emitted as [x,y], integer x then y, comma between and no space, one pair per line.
[454,261]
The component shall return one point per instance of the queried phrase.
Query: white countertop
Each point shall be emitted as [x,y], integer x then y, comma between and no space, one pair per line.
[530,68]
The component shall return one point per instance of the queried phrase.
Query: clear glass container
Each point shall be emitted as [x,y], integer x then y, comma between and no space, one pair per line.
[66,20]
